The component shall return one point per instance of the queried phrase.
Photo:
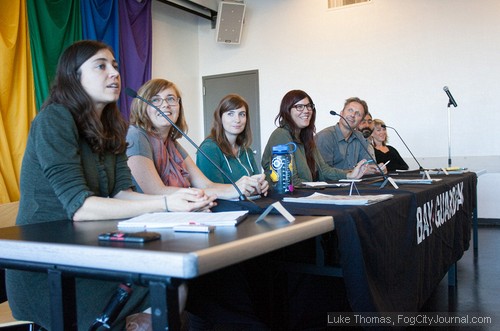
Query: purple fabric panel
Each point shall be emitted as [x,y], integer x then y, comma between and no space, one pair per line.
[135,48]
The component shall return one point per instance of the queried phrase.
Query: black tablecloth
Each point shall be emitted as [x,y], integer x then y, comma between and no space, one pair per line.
[394,253]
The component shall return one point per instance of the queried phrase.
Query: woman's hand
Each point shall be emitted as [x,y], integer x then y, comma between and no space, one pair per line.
[253,185]
[263,183]
[358,171]
[372,169]
[190,199]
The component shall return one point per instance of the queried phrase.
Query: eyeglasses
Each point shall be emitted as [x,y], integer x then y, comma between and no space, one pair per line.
[170,100]
[301,107]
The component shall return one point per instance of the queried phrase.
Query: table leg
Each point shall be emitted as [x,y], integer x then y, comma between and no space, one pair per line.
[474,231]
[452,275]
[62,290]
[164,295]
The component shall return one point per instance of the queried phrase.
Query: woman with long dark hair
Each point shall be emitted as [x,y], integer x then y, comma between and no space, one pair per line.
[75,169]
[296,124]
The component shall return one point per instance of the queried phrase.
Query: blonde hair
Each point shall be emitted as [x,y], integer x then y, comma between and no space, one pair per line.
[379,122]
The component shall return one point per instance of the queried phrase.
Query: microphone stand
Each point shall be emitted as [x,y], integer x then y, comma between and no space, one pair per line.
[390,127]
[449,133]
[134,94]
[451,101]
[386,178]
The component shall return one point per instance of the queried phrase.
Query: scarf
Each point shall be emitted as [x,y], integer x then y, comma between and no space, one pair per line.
[169,162]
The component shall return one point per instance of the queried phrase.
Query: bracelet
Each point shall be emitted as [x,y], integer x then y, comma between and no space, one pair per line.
[166,206]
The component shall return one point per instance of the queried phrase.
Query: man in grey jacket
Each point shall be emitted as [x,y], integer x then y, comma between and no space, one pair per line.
[341,145]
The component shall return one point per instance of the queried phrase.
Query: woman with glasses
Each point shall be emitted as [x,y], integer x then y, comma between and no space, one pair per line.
[158,162]
[228,144]
[296,124]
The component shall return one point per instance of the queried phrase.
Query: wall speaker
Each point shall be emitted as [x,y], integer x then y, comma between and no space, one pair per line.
[230,22]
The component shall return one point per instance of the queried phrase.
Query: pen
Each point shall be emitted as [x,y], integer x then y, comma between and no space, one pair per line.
[369,161]
[385,164]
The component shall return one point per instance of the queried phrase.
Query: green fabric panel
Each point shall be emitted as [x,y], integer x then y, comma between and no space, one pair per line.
[53,26]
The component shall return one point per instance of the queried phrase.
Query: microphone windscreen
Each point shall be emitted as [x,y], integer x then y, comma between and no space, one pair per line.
[384,126]
[333,112]
[130,92]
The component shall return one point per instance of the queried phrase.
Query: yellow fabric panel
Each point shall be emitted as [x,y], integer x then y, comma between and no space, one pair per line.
[17,97]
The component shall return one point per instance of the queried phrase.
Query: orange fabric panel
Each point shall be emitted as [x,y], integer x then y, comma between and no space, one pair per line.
[17,97]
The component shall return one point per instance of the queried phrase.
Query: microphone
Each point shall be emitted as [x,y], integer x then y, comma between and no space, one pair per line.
[386,178]
[390,127]
[113,307]
[134,94]
[451,101]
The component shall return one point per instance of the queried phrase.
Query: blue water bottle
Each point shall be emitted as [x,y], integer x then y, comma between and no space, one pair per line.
[282,167]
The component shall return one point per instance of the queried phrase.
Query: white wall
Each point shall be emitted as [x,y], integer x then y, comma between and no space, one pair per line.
[395,54]
[176,58]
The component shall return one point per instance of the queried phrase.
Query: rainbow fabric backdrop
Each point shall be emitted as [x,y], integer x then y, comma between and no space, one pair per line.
[33,35]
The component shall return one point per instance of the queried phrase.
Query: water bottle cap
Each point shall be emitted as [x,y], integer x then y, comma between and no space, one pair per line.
[285,148]
[280,149]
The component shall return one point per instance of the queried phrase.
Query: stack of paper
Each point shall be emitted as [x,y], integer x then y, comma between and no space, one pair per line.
[324,184]
[447,171]
[340,199]
[416,181]
[437,171]
[171,219]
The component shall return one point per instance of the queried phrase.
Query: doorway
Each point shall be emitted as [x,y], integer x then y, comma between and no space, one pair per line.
[245,84]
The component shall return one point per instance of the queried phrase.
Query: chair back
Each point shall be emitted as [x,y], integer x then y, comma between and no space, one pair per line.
[8,214]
